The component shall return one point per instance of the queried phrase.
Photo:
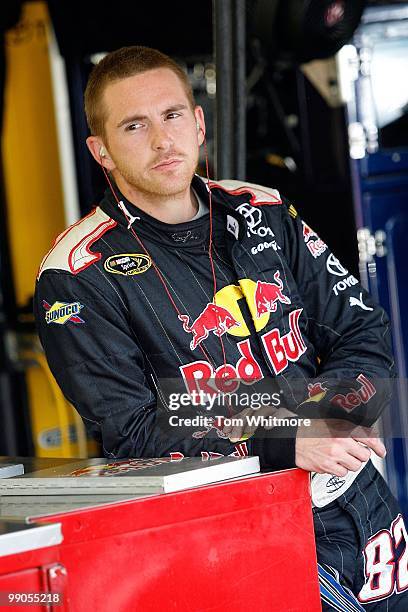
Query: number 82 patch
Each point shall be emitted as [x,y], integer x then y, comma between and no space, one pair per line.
[386,570]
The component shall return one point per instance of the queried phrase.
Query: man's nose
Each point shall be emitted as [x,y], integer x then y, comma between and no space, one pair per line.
[161,138]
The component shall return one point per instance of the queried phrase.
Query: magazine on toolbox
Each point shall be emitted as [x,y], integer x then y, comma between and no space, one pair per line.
[128,476]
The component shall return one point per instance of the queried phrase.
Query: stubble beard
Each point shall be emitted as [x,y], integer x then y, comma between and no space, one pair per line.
[158,186]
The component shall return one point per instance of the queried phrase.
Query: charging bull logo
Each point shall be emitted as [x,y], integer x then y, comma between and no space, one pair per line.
[224,314]
[315,244]
[213,318]
[316,393]
[308,233]
[268,294]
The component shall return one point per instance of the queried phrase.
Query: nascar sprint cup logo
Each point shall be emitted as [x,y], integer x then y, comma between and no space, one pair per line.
[127,264]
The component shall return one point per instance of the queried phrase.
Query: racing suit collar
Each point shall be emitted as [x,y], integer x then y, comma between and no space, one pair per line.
[109,205]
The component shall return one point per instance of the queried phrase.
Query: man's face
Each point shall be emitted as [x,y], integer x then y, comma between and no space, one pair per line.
[151,133]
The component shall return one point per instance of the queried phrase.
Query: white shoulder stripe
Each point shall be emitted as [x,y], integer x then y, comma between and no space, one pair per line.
[71,249]
[260,195]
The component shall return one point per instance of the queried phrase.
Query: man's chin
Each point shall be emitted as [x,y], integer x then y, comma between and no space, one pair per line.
[170,186]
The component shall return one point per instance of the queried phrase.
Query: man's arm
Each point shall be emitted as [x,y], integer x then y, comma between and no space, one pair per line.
[349,331]
[101,369]
[351,336]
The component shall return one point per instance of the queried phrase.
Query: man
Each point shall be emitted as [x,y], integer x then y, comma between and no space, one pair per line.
[219,287]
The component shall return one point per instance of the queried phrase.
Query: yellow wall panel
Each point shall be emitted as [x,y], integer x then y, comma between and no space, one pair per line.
[35,211]
[30,148]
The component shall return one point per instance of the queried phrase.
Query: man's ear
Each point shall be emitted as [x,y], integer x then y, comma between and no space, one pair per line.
[99,152]
[200,121]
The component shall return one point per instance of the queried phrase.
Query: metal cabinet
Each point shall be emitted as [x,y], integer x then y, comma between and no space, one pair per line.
[372,75]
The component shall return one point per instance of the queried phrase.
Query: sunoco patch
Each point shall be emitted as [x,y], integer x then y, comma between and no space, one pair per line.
[128,263]
[62,312]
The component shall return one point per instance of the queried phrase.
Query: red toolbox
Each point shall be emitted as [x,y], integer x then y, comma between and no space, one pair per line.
[240,545]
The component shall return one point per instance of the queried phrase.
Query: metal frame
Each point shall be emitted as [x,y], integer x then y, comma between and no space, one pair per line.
[229,25]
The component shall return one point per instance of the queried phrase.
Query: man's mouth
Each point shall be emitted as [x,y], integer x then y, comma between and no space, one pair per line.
[170,163]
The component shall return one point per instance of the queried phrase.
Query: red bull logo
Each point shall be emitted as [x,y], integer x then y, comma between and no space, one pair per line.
[201,376]
[213,318]
[315,244]
[308,232]
[356,397]
[316,392]
[282,349]
[268,294]
[224,314]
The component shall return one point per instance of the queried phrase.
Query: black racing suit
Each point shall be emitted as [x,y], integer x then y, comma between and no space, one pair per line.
[118,318]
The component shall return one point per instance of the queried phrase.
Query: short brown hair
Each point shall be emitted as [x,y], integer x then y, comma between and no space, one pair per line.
[121,64]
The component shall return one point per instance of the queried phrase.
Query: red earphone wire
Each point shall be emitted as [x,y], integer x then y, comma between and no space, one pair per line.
[157,270]
[159,274]
[210,246]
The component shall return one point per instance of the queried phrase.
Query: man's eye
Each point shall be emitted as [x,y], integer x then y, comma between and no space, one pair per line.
[173,115]
[133,126]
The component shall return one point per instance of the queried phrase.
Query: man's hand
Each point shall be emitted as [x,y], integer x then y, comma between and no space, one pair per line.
[336,447]
[244,430]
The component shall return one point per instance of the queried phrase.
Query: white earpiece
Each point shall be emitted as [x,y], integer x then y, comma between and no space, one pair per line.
[102,152]
[197,126]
